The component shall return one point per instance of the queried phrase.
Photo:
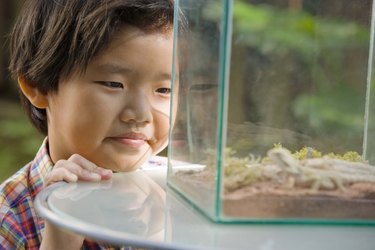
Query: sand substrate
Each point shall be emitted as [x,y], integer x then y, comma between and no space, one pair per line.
[273,200]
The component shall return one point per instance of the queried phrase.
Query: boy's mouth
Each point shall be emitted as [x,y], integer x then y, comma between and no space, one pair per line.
[132,139]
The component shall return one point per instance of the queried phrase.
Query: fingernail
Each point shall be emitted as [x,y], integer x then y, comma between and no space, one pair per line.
[93,175]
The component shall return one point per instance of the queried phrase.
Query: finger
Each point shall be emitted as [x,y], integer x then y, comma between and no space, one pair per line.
[78,170]
[83,162]
[64,169]
[84,169]
[60,174]
[90,166]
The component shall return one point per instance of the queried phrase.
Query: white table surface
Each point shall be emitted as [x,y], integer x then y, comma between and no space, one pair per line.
[134,209]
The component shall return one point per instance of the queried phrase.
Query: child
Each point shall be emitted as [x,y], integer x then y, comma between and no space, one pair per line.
[95,78]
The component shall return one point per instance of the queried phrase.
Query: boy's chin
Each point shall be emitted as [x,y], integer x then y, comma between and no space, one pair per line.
[126,168]
[130,164]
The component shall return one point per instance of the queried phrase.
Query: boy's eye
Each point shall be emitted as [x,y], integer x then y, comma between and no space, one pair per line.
[110,84]
[164,91]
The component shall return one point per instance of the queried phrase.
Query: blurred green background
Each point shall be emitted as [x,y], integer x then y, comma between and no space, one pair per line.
[19,141]
[297,76]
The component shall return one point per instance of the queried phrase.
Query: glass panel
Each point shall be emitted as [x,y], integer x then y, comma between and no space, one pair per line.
[369,142]
[286,133]
[194,134]
[296,111]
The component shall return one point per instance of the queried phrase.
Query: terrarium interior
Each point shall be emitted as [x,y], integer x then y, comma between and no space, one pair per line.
[275,116]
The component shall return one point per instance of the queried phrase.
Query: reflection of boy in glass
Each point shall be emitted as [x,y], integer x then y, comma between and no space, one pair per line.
[195,128]
[95,79]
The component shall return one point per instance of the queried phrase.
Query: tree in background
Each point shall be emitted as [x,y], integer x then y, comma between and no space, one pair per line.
[18,139]
[8,89]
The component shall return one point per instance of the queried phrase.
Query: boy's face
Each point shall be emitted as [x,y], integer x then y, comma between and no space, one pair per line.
[115,114]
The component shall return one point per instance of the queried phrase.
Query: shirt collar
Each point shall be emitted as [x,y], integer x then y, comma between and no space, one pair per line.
[40,167]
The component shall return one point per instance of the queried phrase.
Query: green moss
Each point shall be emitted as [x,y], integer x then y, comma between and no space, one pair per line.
[307,152]
[234,166]
[348,156]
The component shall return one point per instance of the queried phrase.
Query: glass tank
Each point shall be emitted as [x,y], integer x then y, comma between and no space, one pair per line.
[275,117]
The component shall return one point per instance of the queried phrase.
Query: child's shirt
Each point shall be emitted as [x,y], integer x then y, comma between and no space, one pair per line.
[21,228]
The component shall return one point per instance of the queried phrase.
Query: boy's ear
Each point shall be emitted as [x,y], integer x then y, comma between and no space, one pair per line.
[37,98]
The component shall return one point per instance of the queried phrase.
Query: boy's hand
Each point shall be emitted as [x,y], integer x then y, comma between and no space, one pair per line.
[76,168]
[71,170]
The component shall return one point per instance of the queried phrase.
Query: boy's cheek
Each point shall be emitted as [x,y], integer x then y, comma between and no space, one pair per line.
[161,132]
[160,143]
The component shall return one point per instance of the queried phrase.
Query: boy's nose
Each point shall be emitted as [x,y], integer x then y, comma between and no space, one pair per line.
[137,109]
